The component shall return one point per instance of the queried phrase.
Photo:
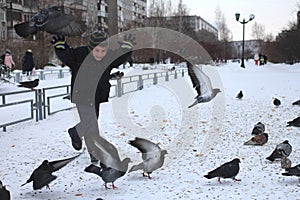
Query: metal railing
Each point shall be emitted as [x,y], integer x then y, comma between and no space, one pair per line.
[42,103]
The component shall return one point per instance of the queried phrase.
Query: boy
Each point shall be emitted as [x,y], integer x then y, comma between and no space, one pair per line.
[90,59]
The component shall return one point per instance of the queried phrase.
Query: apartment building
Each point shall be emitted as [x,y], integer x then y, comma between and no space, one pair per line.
[92,12]
[196,23]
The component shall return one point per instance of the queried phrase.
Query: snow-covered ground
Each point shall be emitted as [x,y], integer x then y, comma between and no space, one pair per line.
[198,139]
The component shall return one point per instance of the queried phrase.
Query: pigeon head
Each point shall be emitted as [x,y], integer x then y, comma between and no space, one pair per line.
[236,160]
[164,152]
[40,19]
[286,142]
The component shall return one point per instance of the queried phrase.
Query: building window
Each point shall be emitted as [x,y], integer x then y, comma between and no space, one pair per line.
[2,17]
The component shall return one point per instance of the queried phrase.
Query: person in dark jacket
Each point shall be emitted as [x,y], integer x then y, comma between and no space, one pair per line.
[27,62]
[90,74]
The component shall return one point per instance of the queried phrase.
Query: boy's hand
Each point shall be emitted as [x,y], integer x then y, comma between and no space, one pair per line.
[59,42]
[129,42]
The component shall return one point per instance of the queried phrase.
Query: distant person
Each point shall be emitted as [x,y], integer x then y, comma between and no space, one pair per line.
[256,58]
[28,63]
[8,61]
[265,59]
[261,59]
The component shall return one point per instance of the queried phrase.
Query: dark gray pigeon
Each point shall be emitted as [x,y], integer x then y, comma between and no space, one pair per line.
[276,102]
[259,139]
[226,170]
[202,84]
[295,122]
[116,76]
[42,175]
[108,174]
[4,193]
[29,84]
[152,155]
[296,103]
[51,20]
[293,171]
[259,128]
[240,95]
[283,149]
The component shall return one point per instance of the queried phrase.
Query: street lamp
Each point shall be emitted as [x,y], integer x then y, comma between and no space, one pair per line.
[237,17]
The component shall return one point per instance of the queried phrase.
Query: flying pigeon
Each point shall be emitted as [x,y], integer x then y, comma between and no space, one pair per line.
[42,175]
[293,171]
[285,163]
[51,20]
[29,84]
[108,174]
[294,122]
[202,84]
[226,170]
[276,102]
[259,139]
[240,95]
[296,103]
[283,149]
[259,128]
[152,155]
[4,193]
[117,75]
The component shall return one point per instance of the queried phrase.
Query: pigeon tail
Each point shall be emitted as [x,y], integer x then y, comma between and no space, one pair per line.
[93,169]
[136,167]
[209,176]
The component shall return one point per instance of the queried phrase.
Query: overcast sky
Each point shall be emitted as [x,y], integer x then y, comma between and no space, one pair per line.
[273,14]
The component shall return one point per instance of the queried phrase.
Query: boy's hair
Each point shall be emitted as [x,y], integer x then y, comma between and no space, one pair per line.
[98,38]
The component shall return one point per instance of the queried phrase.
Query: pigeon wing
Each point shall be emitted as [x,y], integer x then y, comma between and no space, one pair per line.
[60,23]
[149,149]
[58,164]
[201,79]
[24,30]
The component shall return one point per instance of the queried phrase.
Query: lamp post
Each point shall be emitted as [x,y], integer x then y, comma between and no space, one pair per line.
[237,17]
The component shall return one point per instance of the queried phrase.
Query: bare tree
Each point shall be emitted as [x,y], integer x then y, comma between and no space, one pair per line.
[258,31]
[224,32]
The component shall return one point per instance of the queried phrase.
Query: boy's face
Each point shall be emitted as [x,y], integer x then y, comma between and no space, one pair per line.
[99,52]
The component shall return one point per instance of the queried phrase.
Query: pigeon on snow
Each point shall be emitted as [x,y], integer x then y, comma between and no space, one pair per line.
[295,122]
[276,102]
[296,103]
[202,84]
[51,20]
[259,139]
[259,128]
[4,193]
[42,175]
[283,149]
[152,155]
[226,170]
[116,76]
[293,171]
[29,84]
[108,174]
[240,95]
